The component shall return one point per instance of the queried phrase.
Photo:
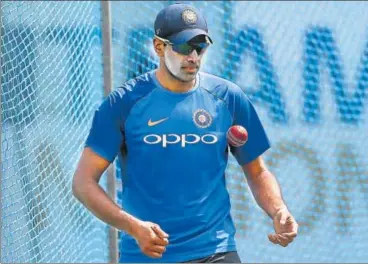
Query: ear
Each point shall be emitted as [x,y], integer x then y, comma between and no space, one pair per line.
[159,47]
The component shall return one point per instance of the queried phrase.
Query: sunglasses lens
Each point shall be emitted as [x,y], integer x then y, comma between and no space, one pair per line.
[187,48]
[184,48]
[200,47]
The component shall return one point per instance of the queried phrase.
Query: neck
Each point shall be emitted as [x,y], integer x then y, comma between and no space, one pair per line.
[172,84]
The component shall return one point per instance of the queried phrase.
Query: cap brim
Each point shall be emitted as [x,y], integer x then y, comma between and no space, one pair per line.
[187,35]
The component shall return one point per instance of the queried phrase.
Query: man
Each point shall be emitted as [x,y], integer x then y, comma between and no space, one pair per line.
[168,128]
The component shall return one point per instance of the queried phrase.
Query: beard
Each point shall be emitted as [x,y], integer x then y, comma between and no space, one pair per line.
[177,70]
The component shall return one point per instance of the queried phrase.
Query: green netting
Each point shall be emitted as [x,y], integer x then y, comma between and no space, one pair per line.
[51,83]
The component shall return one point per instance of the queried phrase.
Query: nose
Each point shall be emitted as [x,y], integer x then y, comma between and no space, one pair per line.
[193,57]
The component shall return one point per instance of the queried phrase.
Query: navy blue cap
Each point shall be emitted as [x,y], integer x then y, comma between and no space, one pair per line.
[179,23]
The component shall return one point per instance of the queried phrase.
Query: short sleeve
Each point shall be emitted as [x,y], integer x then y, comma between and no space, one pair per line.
[244,114]
[106,133]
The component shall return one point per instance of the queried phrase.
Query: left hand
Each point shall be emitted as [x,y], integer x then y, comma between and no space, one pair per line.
[285,226]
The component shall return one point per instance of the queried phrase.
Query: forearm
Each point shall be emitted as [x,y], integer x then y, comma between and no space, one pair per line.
[267,192]
[92,196]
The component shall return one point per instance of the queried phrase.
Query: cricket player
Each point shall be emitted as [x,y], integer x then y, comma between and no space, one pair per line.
[168,129]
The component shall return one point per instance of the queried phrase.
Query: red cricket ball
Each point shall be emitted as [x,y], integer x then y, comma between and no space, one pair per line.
[237,136]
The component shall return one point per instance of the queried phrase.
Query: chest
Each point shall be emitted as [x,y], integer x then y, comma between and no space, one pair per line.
[195,115]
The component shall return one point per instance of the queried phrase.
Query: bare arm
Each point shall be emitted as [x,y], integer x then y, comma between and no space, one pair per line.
[87,190]
[151,238]
[267,193]
[264,186]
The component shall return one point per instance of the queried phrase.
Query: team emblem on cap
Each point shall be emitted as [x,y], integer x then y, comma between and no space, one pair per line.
[189,16]
[202,118]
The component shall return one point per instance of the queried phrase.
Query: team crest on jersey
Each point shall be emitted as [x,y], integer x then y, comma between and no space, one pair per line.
[189,16]
[202,118]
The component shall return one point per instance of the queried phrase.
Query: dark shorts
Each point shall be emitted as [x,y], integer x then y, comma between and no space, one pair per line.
[225,257]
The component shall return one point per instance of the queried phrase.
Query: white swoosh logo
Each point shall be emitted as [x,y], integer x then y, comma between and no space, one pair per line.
[150,123]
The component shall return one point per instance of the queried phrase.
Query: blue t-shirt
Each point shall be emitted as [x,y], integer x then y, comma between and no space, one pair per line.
[173,152]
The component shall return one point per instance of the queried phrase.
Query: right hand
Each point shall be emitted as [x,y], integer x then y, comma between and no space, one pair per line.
[152,240]
[285,226]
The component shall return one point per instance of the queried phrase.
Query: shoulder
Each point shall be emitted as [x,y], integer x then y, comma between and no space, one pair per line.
[132,90]
[135,88]
[221,88]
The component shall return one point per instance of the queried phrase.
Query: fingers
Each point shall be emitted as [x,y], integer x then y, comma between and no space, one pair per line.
[282,239]
[154,254]
[161,237]
[159,231]
[154,251]
[156,245]
[285,226]
[160,241]
[159,249]
[285,238]
[290,235]
[273,239]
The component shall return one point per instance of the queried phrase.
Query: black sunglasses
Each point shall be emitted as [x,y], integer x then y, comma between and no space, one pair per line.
[187,48]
